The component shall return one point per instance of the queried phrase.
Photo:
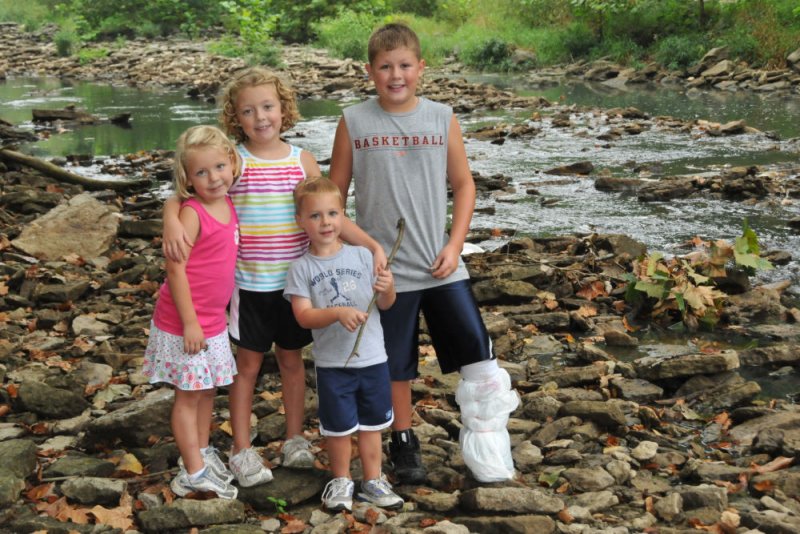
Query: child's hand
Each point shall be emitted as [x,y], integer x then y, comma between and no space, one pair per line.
[351,318]
[384,282]
[175,244]
[193,339]
[446,262]
[379,259]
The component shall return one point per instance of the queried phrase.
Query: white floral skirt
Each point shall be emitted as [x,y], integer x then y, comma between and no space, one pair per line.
[165,361]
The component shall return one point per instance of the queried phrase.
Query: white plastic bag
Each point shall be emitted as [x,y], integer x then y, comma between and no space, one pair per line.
[485,444]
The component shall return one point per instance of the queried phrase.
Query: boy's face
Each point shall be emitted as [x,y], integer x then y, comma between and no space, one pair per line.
[258,110]
[395,74]
[320,216]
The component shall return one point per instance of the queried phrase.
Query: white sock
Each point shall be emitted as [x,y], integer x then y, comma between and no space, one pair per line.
[194,477]
[203,451]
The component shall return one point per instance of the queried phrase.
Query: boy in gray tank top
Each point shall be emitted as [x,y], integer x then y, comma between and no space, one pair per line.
[401,151]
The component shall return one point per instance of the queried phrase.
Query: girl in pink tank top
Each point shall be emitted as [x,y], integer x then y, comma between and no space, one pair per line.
[188,346]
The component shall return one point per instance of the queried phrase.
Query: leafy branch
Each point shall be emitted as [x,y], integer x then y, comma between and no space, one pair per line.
[686,287]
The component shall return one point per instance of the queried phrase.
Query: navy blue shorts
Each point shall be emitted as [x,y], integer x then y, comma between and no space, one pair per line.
[354,398]
[454,323]
[258,319]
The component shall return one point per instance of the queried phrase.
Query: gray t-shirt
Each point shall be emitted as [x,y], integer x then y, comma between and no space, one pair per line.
[344,279]
[400,171]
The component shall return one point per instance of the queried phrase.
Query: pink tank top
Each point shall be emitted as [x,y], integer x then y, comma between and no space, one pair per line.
[210,271]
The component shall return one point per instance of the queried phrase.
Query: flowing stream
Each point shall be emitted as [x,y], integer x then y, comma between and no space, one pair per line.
[564,205]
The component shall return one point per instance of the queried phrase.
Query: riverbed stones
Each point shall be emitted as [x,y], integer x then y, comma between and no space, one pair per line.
[662,367]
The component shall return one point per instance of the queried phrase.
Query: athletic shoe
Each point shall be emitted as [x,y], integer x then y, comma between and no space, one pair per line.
[338,494]
[296,453]
[213,461]
[182,485]
[248,468]
[406,458]
[379,492]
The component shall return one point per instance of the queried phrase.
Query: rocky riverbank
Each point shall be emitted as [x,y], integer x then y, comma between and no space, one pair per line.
[617,431]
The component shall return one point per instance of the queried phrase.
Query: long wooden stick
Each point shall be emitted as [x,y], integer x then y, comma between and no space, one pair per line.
[401,228]
[54,171]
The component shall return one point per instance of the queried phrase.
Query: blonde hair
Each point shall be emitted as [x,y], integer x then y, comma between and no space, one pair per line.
[318,185]
[253,77]
[390,37]
[198,138]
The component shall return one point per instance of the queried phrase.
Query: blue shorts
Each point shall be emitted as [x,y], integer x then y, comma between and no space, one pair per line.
[258,319]
[354,398]
[454,323]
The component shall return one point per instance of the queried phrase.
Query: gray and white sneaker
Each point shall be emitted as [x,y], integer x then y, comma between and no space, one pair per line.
[248,468]
[182,485]
[296,453]
[212,460]
[338,494]
[379,492]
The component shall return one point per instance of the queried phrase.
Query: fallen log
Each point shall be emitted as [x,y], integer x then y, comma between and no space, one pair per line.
[69,113]
[54,171]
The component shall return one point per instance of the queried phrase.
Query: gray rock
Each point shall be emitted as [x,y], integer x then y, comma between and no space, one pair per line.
[512,500]
[18,458]
[661,367]
[10,489]
[669,508]
[518,524]
[588,479]
[636,389]
[83,226]
[136,422]
[94,490]
[704,496]
[50,402]
[186,513]
[78,464]
[292,485]
[605,414]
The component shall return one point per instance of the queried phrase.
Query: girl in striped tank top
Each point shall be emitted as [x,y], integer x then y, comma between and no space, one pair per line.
[257,107]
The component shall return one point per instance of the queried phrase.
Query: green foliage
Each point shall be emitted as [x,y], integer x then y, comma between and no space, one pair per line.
[491,54]
[30,14]
[679,51]
[422,8]
[579,39]
[66,40]
[280,504]
[90,55]
[741,44]
[685,287]
[346,35]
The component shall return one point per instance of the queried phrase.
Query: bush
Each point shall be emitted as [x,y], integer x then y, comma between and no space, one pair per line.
[66,40]
[678,51]
[579,39]
[90,55]
[490,54]
[346,35]
[741,45]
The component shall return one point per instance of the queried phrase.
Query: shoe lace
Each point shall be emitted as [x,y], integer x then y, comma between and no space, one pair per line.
[336,488]
[379,486]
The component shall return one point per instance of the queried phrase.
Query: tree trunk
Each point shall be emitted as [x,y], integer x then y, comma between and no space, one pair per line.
[54,171]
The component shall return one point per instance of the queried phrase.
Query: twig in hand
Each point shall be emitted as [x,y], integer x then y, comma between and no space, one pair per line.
[401,228]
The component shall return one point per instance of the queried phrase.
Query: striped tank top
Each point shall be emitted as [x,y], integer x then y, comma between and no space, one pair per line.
[270,238]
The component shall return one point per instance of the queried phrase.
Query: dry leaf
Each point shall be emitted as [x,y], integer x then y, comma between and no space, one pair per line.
[130,464]
[372,516]
[39,492]
[427,522]
[119,517]
[764,486]
[226,427]
[592,290]
[294,526]
[565,517]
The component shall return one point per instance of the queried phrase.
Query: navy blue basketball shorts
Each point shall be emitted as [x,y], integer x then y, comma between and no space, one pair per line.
[354,399]
[258,319]
[454,323]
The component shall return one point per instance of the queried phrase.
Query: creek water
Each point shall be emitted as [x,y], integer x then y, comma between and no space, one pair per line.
[564,205]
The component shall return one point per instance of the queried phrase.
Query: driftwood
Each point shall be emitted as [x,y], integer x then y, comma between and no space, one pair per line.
[69,113]
[54,171]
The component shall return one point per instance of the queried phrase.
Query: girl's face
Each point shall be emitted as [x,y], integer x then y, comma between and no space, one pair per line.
[210,173]
[395,74]
[321,216]
[258,110]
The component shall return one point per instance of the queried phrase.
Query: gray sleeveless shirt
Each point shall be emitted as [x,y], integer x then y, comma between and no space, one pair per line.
[400,170]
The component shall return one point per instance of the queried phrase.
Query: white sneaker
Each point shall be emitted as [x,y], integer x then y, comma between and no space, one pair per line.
[212,460]
[379,492]
[296,453]
[248,468]
[182,485]
[338,494]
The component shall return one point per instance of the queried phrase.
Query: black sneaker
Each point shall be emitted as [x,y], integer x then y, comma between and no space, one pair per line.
[406,458]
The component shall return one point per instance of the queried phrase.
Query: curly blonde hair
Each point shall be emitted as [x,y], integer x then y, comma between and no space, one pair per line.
[198,138]
[253,77]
